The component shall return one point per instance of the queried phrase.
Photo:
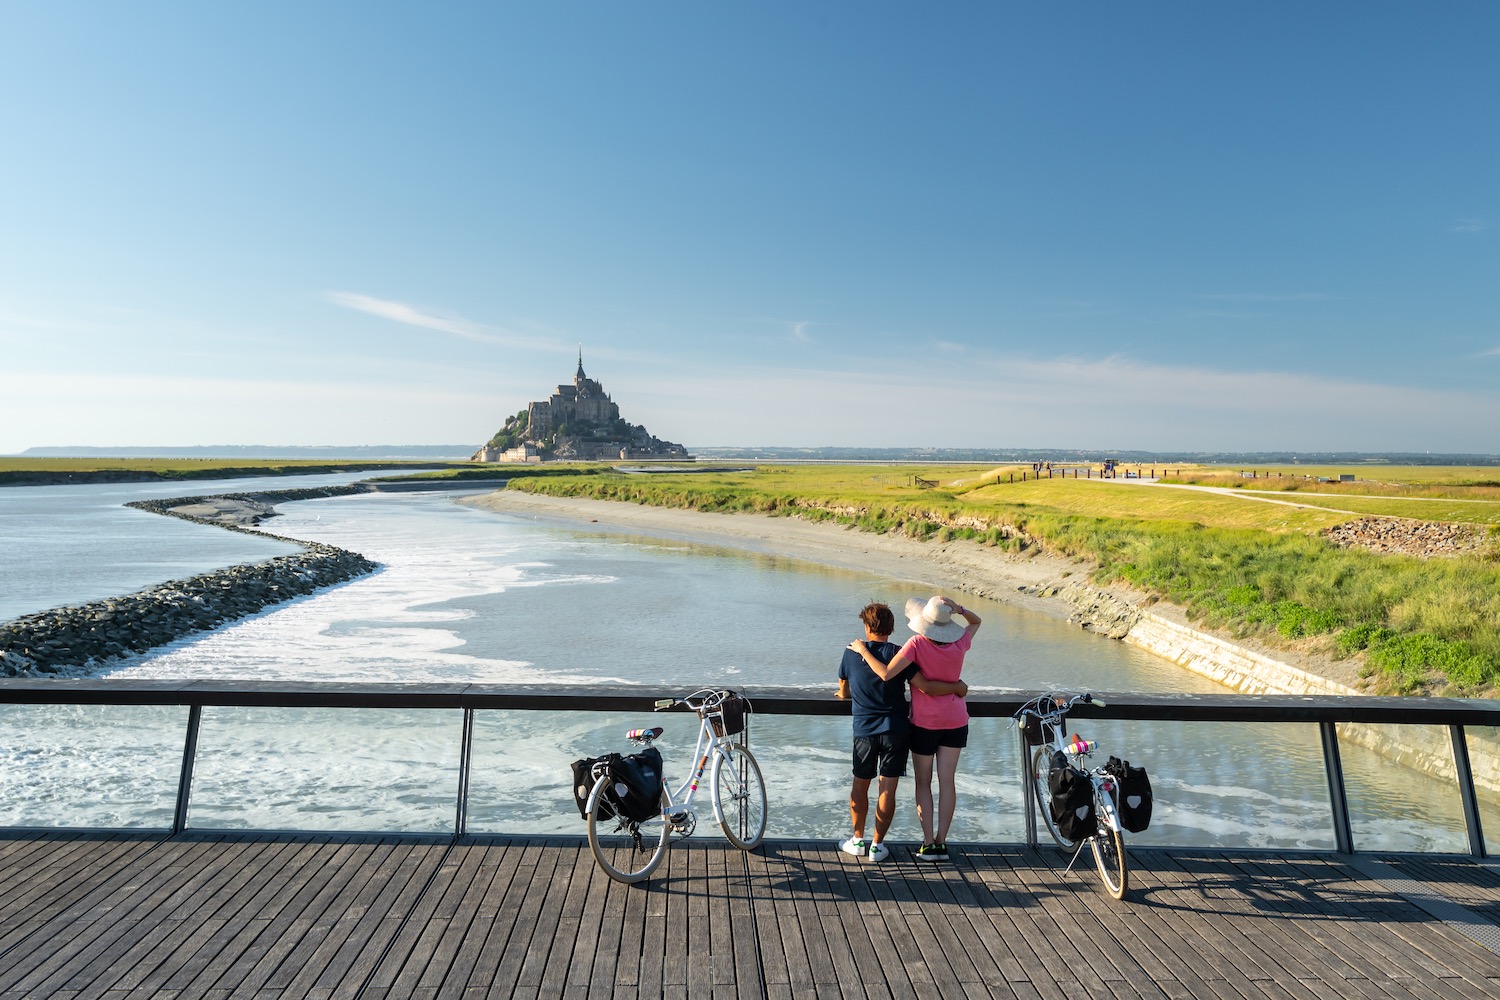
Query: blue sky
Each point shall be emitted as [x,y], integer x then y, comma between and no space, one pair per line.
[1164,226]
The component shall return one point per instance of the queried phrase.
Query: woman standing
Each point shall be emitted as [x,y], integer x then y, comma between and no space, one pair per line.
[939,723]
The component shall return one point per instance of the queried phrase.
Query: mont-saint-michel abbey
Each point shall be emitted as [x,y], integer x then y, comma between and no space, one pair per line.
[578,422]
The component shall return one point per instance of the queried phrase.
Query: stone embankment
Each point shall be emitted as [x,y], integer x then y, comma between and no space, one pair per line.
[1427,749]
[1424,539]
[80,637]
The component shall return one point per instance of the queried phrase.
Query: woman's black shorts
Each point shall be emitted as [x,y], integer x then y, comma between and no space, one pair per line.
[926,741]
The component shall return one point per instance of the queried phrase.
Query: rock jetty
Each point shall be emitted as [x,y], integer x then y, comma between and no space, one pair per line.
[77,638]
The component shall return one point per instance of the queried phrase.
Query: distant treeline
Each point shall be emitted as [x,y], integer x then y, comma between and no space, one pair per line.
[1029,455]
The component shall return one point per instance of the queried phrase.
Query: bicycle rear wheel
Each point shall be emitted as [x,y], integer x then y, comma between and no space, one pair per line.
[1109,856]
[614,846]
[1041,765]
[739,796]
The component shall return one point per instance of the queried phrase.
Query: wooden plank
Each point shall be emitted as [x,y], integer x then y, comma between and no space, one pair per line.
[281,925]
[475,921]
[219,902]
[343,901]
[544,864]
[321,918]
[495,917]
[402,875]
[427,961]
[98,919]
[564,876]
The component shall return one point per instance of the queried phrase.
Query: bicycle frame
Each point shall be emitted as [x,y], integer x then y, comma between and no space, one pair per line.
[683,797]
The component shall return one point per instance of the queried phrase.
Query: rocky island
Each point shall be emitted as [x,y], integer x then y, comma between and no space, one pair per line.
[578,422]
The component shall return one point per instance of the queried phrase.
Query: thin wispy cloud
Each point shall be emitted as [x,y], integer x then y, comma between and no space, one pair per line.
[1065,401]
[1469,226]
[1263,297]
[400,312]
[799,331]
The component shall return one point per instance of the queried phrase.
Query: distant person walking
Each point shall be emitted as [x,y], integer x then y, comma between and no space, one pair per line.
[881,728]
[939,721]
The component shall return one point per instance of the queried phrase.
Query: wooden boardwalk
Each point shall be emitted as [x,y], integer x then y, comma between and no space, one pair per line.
[322,917]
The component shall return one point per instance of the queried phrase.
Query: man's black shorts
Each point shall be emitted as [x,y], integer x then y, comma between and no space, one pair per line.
[926,741]
[883,754]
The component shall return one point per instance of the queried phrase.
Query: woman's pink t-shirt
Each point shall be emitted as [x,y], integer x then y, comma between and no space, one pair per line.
[938,663]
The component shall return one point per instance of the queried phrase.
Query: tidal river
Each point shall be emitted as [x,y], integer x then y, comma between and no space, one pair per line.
[471,595]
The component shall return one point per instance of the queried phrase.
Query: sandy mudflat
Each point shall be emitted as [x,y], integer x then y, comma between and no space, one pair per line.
[936,566]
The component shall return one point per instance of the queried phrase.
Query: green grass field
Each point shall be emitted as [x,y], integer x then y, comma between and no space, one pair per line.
[1234,561]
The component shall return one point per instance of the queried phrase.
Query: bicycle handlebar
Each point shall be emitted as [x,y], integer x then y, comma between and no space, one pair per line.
[701,700]
[1061,704]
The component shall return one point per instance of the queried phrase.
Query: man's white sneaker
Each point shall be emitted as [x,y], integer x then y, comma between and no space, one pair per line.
[879,852]
[855,846]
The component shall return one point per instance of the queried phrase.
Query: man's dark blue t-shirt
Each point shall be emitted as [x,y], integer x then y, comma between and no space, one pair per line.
[879,706]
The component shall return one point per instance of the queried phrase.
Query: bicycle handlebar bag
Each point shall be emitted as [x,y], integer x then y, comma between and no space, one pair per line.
[731,721]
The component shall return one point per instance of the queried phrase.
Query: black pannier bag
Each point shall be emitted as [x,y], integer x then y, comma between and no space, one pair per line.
[583,784]
[634,790]
[637,784]
[1072,804]
[1134,797]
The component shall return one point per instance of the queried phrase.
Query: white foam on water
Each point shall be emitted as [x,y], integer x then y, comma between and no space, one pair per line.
[377,628]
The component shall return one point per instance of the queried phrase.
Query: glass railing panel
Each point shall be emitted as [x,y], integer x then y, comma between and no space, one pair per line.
[1484,762]
[1401,788]
[520,781]
[90,766]
[1224,784]
[347,769]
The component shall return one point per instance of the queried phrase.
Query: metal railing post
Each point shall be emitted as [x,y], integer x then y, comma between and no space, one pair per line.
[1028,789]
[1466,790]
[465,753]
[185,780]
[1338,799]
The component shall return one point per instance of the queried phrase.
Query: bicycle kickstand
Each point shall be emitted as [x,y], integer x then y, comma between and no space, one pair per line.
[1078,851]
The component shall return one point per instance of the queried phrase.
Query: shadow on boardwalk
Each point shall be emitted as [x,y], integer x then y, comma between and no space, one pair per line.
[323,917]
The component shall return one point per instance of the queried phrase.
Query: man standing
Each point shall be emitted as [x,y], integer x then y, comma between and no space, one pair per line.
[881,729]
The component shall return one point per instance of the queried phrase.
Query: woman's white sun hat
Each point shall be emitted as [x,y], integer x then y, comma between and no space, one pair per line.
[932,619]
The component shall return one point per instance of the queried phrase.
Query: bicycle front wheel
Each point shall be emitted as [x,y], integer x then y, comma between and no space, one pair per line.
[1109,856]
[739,796]
[1041,765]
[616,849]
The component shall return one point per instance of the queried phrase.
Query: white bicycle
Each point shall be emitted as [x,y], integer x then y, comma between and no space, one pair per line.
[1043,724]
[632,850]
